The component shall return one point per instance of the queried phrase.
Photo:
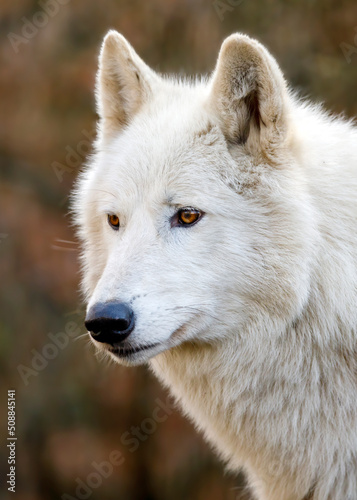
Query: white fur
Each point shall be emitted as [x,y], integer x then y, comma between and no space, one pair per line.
[254,308]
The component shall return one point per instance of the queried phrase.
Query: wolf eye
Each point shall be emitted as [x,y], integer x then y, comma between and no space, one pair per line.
[113,221]
[188,216]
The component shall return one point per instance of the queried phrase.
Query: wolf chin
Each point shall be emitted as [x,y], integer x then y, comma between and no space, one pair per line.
[218,219]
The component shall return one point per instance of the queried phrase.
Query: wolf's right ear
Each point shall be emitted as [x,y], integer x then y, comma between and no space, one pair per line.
[124,83]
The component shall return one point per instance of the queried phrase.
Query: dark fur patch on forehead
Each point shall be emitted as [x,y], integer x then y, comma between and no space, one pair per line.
[205,131]
[207,134]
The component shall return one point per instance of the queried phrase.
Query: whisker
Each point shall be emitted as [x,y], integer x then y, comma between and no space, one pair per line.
[64,245]
[81,337]
[61,249]
[66,241]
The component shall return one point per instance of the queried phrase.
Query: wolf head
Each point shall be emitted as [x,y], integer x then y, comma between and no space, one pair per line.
[193,213]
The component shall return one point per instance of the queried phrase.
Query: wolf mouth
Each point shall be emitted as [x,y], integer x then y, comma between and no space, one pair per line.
[124,352]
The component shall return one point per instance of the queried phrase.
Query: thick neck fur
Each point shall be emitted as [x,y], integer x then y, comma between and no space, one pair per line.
[275,405]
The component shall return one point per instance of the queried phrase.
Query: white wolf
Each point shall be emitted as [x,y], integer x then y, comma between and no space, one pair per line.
[219,228]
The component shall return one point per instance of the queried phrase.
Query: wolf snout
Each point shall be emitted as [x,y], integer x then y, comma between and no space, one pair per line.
[110,322]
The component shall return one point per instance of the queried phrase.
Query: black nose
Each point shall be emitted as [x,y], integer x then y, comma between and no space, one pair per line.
[110,322]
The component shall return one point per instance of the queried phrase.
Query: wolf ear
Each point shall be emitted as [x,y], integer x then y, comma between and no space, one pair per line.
[124,83]
[249,94]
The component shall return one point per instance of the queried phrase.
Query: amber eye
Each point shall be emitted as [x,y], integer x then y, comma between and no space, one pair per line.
[188,216]
[113,221]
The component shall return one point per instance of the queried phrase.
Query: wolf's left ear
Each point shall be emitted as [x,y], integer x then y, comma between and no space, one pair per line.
[249,94]
[124,83]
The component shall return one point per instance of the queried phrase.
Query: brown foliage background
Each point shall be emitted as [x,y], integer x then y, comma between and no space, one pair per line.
[76,409]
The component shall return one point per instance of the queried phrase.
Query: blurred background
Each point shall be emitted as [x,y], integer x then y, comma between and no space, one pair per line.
[85,429]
